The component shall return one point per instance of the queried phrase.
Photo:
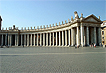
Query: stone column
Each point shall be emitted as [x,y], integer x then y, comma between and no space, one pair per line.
[53,38]
[40,39]
[46,39]
[2,40]
[37,40]
[59,39]
[21,40]
[65,37]
[62,38]
[95,35]
[84,39]
[31,40]
[56,38]
[72,44]
[82,35]
[17,39]
[92,35]
[69,36]
[10,39]
[99,36]
[73,37]
[34,39]
[50,38]
[27,39]
[87,35]
[77,35]
[24,39]
[43,39]
[6,39]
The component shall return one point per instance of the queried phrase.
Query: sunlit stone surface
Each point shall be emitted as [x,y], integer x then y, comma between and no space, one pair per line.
[52,59]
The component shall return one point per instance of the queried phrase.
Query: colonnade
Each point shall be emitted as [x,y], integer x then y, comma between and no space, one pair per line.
[80,35]
[46,39]
[9,39]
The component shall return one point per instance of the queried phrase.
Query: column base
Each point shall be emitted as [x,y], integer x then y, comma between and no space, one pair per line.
[59,45]
[69,45]
[43,45]
[72,45]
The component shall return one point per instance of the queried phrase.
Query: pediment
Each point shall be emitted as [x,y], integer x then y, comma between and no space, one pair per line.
[92,18]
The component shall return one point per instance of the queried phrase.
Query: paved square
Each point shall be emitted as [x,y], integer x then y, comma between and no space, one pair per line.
[53,59]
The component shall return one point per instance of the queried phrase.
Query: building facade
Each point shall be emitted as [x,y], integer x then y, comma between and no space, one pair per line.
[78,31]
[103,32]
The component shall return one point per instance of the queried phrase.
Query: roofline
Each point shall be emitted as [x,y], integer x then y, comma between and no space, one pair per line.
[94,17]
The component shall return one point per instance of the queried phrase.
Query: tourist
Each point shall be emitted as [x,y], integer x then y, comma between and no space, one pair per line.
[75,46]
[78,46]
[94,45]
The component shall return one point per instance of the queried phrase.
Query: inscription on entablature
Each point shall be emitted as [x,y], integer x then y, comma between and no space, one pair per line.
[96,25]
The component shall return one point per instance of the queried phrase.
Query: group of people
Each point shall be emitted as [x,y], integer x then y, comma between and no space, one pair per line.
[93,45]
[4,46]
[76,46]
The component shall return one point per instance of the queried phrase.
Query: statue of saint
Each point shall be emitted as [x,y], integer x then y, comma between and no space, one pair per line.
[76,14]
[81,15]
[71,18]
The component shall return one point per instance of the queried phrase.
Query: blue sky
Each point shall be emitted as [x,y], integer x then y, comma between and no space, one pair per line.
[30,13]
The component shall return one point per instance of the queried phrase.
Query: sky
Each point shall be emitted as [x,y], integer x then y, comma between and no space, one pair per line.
[30,13]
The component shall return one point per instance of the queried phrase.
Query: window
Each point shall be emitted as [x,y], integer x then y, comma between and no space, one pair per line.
[102,32]
[103,38]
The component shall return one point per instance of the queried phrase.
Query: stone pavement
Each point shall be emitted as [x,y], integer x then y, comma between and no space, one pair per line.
[52,60]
